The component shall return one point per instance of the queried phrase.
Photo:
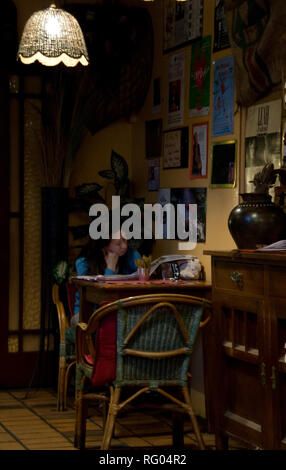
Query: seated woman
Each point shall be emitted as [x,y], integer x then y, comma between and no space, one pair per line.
[102,256]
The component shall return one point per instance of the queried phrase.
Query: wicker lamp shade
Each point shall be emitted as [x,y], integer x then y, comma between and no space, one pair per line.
[51,36]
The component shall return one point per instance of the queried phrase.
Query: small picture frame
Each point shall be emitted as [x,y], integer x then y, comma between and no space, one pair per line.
[182,23]
[283,144]
[153,138]
[199,151]
[176,148]
[283,89]
[223,173]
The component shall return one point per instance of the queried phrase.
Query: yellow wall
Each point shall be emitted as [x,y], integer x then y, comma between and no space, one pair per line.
[128,139]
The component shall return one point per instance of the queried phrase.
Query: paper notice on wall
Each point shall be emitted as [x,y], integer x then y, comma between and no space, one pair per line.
[176,86]
[172,149]
[262,139]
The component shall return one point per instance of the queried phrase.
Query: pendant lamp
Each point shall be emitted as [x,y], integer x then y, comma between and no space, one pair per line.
[51,36]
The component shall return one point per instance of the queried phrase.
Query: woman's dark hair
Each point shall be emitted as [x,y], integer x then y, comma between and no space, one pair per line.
[93,251]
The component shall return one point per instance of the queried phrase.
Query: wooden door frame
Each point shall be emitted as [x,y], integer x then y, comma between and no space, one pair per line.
[4,212]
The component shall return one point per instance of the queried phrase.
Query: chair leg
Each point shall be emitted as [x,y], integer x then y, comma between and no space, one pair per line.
[110,422]
[193,418]
[80,411]
[61,384]
[67,374]
[80,422]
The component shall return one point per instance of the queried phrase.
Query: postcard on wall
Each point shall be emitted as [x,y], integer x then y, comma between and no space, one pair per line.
[186,196]
[153,138]
[221,39]
[223,173]
[156,97]
[176,86]
[176,148]
[262,138]
[200,77]
[223,96]
[283,141]
[199,153]
[183,23]
[153,174]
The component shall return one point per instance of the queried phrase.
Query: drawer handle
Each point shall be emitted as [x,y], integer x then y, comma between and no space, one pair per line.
[237,277]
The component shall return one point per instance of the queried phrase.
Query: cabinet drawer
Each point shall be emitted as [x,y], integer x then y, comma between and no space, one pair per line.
[277,281]
[238,277]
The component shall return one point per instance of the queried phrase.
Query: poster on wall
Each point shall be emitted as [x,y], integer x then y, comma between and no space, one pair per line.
[183,23]
[200,78]
[262,139]
[186,196]
[153,174]
[176,86]
[223,97]
[199,153]
[223,174]
[176,148]
[221,39]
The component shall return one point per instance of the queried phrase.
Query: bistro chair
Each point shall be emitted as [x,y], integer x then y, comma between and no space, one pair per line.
[138,344]
[66,357]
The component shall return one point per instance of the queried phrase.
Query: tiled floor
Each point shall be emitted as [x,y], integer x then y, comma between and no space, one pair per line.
[31,421]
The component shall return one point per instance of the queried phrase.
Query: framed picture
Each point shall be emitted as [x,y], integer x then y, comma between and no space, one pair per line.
[176,87]
[199,152]
[153,174]
[221,39]
[223,96]
[223,174]
[186,196]
[176,148]
[199,94]
[283,89]
[263,137]
[153,134]
[183,23]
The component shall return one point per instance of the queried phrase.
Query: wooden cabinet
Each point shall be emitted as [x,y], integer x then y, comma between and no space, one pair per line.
[248,348]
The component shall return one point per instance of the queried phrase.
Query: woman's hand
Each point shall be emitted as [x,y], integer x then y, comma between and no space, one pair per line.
[111,260]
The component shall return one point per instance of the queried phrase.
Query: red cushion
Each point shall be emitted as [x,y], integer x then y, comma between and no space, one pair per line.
[104,369]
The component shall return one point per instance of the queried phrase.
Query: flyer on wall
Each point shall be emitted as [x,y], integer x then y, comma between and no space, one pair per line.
[221,39]
[223,97]
[262,139]
[183,23]
[200,78]
[175,102]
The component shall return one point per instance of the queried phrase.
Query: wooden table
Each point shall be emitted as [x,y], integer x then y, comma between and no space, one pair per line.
[94,292]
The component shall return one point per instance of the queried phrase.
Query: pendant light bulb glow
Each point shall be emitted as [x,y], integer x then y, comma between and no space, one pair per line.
[51,36]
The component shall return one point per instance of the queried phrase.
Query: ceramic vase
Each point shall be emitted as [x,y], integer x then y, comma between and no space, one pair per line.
[256,221]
